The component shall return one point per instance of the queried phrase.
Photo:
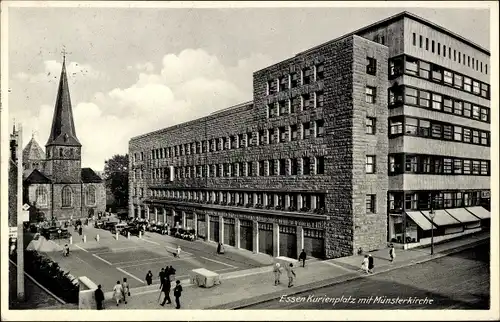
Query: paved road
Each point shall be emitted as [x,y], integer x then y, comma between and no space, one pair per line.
[458,281]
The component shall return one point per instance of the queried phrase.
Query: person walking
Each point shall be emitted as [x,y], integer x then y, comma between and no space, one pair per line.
[291,274]
[277,274]
[178,251]
[162,276]
[177,294]
[165,288]
[392,253]
[149,278]
[302,257]
[364,264]
[126,290]
[371,263]
[118,292]
[99,297]
[218,248]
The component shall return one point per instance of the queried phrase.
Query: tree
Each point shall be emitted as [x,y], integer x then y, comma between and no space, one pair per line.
[116,176]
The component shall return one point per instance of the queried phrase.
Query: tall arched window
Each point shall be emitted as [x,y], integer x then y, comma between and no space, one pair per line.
[67,196]
[41,196]
[90,195]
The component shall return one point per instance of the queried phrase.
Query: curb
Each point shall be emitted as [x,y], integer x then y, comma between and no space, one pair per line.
[342,279]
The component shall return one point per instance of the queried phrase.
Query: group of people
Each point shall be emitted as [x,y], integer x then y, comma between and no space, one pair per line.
[120,293]
[167,275]
[368,263]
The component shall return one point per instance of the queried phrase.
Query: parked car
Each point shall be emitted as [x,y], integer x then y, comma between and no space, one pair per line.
[183,233]
[99,224]
[55,233]
[118,227]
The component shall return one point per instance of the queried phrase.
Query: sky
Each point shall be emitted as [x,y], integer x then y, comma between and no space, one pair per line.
[132,71]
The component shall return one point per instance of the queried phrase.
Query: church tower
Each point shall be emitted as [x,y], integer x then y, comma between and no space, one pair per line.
[63,150]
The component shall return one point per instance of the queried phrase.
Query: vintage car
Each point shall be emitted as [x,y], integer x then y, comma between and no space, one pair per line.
[55,233]
[118,227]
[99,224]
[183,233]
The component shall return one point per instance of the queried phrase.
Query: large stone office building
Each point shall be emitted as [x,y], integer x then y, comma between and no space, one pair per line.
[342,146]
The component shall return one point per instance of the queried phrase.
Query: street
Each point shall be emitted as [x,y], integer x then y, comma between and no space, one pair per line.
[458,281]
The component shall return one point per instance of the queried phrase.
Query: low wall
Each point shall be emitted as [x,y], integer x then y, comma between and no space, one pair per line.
[86,295]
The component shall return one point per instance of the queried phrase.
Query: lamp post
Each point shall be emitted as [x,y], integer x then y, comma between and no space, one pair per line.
[432,214]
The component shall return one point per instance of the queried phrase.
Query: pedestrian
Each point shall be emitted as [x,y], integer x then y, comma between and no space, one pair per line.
[126,289]
[177,294]
[364,264]
[277,273]
[392,253]
[178,251]
[222,250]
[371,264]
[80,230]
[218,248]
[149,278]
[302,257]
[118,292]
[66,250]
[291,274]
[99,297]
[162,276]
[165,288]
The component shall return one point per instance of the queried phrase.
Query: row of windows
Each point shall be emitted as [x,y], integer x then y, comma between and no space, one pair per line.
[42,199]
[426,200]
[433,101]
[441,50]
[411,126]
[436,164]
[268,200]
[275,135]
[429,71]
[303,102]
[306,76]
[281,167]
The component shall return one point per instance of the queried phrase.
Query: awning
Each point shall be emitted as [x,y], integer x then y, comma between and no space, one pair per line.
[441,217]
[480,212]
[420,220]
[462,215]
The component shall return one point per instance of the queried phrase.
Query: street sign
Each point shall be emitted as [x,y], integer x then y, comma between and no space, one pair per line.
[25,215]
[13,232]
[26,207]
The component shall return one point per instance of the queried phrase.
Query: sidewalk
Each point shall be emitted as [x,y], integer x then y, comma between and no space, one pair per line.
[248,287]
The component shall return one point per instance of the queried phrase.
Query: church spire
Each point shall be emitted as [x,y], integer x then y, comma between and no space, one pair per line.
[63,126]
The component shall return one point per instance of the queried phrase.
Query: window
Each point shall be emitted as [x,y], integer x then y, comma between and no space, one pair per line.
[370,164]
[468,61]
[466,167]
[484,138]
[319,99]
[283,107]
[294,104]
[437,131]
[436,101]
[395,96]
[484,114]
[411,96]
[475,87]
[467,135]
[411,164]
[484,168]
[293,131]
[271,87]
[437,73]
[411,201]
[447,165]
[476,166]
[414,39]
[411,126]
[486,68]
[371,67]
[262,137]
[457,133]
[439,48]
[426,164]
[306,130]
[467,84]
[294,166]
[484,90]
[307,76]
[261,168]
[424,98]
[448,132]
[396,126]
[467,109]
[306,166]
[370,125]
[457,166]
[272,167]
[67,196]
[433,46]
[458,81]
[320,72]
[420,41]
[271,110]
[424,128]
[411,66]
[90,195]
[320,165]
[370,94]
[396,66]
[241,140]
[476,112]
[320,128]
[282,167]
[294,79]
[271,137]
[475,137]
[438,165]
[370,204]
[457,107]
[283,83]
[307,102]
[448,77]
[424,70]
[41,196]
[426,43]
[282,134]
[447,105]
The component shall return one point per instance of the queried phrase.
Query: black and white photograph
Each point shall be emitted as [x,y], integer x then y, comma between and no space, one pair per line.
[254,160]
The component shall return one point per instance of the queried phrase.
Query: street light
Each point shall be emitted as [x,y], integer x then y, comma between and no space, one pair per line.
[432,214]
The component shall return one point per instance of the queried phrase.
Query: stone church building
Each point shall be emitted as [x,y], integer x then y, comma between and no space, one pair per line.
[55,184]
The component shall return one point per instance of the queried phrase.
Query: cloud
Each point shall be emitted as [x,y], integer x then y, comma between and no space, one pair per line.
[189,85]
[52,71]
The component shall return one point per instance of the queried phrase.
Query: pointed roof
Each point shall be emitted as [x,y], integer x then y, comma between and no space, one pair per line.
[89,176]
[33,151]
[36,177]
[63,126]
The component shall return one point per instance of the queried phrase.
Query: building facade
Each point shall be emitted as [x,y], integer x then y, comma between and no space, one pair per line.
[311,161]
[55,184]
